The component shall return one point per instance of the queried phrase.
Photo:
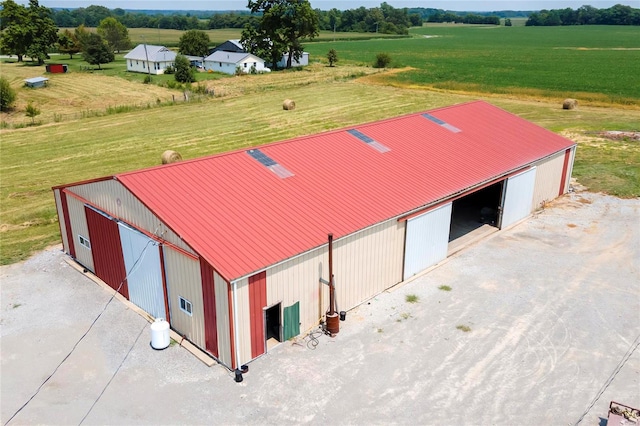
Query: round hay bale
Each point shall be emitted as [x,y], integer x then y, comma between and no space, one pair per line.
[288,105]
[569,103]
[169,157]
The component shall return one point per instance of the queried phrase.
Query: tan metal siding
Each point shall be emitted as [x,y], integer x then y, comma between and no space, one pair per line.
[243,321]
[63,225]
[223,323]
[78,220]
[115,199]
[365,264]
[183,279]
[368,263]
[299,281]
[548,177]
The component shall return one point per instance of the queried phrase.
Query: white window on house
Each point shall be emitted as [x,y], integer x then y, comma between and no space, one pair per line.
[185,306]
[84,241]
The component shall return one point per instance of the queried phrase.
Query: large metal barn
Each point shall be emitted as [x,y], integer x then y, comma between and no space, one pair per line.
[232,249]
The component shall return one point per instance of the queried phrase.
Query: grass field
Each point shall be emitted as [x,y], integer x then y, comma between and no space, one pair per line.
[246,111]
[592,63]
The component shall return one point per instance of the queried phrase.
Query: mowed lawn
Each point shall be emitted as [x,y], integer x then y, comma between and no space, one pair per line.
[597,64]
[247,111]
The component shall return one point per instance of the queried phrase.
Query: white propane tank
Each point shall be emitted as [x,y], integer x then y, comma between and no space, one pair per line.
[160,334]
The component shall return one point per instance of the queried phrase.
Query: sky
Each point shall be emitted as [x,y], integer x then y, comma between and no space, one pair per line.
[466,5]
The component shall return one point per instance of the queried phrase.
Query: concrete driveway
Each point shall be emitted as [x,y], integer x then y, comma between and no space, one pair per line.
[552,309]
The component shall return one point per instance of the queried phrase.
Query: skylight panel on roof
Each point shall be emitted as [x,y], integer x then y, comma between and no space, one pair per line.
[369,141]
[444,124]
[269,163]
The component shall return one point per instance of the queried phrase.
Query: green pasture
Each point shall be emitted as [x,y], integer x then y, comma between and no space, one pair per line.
[596,64]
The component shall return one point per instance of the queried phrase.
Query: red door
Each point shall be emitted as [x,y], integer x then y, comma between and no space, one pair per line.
[257,301]
[106,251]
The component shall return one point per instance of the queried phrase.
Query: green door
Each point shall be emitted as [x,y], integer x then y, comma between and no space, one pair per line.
[291,321]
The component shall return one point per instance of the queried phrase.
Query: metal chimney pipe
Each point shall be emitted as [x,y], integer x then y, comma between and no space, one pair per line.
[332,296]
[333,320]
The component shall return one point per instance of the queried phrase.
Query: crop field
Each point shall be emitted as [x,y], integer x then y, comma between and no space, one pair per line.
[170,38]
[245,111]
[597,64]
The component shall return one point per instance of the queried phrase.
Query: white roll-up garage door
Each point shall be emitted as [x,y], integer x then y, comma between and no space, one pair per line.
[144,275]
[427,240]
[517,197]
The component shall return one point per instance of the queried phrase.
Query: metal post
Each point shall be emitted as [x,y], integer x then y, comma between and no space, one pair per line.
[332,295]
[146,54]
[333,320]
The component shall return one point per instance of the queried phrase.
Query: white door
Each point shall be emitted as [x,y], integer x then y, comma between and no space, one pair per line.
[144,275]
[517,197]
[427,240]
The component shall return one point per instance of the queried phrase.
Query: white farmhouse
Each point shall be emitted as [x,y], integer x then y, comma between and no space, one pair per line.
[150,59]
[228,62]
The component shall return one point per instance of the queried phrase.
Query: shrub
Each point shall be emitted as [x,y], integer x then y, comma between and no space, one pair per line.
[332,56]
[32,111]
[147,79]
[382,60]
[170,70]
[184,72]
[7,95]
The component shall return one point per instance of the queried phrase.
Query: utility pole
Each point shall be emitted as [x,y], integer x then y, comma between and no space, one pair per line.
[146,54]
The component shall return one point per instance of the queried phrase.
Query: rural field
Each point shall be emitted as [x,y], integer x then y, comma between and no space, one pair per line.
[100,122]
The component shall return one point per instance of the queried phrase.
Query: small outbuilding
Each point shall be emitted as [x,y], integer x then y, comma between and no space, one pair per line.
[57,68]
[150,59]
[35,82]
[232,249]
[300,62]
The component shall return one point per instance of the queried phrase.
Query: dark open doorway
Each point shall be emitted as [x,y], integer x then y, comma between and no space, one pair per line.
[273,323]
[475,210]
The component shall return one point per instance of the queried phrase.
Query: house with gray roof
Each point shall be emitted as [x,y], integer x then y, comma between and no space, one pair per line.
[150,59]
[228,62]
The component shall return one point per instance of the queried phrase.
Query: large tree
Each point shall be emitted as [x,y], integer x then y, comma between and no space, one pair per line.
[68,43]
[15,36]
[194,43]
[96,50]
[282,25]
[44,34]
[27,31]
[116,34]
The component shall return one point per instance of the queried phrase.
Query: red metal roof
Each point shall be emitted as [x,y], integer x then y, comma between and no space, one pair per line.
[242,217]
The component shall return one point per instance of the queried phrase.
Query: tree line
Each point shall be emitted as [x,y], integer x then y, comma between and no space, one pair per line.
[383,19]
[586,15]
[468,18]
